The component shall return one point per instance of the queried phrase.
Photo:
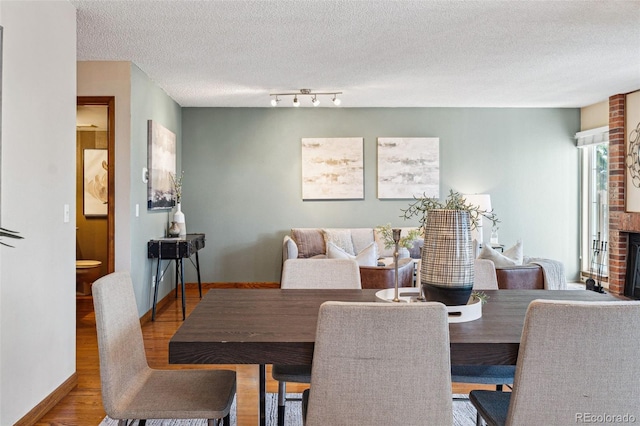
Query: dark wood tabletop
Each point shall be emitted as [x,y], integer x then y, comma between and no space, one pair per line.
[273,326]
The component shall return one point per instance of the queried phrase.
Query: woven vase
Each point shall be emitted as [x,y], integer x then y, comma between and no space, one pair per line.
[447,270]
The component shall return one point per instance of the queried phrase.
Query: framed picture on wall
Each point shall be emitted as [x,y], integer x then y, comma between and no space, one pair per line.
[161,159]
[332,169]
[408,167]
[95,182]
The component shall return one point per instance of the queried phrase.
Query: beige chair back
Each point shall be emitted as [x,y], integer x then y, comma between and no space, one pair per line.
[484,275]
[320,273]
[577,359]
[120,343]
[389,366]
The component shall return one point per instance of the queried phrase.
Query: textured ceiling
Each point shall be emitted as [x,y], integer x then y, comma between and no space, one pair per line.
[379,53]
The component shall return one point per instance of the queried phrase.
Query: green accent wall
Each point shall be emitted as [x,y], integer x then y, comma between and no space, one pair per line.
[148,102]
[242,182]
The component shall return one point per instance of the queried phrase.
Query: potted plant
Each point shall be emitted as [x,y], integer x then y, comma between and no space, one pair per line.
[406,242]
[447,270]
[9,234]
[178,217]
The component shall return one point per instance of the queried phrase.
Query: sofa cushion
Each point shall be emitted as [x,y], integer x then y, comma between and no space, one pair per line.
[515,253]
[361,238]
[310,241]
[367,257]
[341,237]
[511,257]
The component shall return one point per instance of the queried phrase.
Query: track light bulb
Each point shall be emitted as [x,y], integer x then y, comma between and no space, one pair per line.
[315,101]
[296,102]
[274,102]
[335,100]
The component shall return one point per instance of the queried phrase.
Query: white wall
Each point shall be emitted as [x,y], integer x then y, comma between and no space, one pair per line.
[37,279]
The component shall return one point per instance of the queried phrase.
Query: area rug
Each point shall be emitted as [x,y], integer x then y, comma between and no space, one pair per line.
[463,414]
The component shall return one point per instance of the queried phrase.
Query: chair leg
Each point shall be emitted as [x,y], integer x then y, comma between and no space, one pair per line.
[142,422]
[227,420]
[478,419]
[282,400]
[499,388]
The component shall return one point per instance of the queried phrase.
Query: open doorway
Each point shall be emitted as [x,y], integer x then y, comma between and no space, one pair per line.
[95,200]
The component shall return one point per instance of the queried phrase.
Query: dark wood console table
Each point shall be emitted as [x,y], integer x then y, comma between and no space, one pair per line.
[175,249]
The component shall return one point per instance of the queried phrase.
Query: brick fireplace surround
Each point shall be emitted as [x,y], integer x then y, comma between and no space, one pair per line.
[621,223]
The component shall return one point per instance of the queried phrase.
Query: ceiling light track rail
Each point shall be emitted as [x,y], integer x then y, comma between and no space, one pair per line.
[306,92]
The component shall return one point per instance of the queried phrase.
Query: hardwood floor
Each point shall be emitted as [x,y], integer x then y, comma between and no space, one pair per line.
[83,405]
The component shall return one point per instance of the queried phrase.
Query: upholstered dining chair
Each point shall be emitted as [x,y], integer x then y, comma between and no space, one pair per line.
[577,361]
[310,274]
[379,370]
[498,375]
[133,390]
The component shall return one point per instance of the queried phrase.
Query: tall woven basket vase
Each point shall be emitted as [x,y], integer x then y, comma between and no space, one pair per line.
[447,270]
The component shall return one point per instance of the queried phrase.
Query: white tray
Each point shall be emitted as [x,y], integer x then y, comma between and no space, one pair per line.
[462,313]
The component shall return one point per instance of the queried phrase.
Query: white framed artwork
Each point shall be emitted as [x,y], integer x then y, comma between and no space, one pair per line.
[161,162]
[408,167]
[95,182]
[332,169]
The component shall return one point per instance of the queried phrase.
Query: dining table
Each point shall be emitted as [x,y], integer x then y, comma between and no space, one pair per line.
[275,326]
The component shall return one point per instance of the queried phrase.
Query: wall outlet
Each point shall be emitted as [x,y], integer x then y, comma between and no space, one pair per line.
[153,281]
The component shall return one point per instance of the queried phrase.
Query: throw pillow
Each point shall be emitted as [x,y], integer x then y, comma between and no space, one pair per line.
[367,257]
[511,257]
[310,241]
[341,238]
[515,253]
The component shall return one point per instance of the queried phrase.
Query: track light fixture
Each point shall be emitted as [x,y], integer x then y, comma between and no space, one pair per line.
[306,92]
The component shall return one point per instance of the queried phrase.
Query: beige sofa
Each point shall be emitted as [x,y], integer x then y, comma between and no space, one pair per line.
[364,244]
[311,243]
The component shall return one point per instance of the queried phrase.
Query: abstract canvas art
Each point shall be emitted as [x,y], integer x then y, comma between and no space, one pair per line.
[95,179]
[161,158]
[332,168]
[408,167]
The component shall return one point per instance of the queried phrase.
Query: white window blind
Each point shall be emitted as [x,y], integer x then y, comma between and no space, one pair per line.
[592,136]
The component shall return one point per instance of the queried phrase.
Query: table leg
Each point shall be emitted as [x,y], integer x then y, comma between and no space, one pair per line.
[198,272]
[184,300]
[177,276]
[155,291]
[262,394]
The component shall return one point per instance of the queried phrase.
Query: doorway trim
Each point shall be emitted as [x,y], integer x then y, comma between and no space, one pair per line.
[110,103]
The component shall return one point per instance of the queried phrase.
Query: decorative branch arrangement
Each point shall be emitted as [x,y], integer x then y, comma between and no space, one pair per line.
[455,201]
[387,236]
[176,182]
